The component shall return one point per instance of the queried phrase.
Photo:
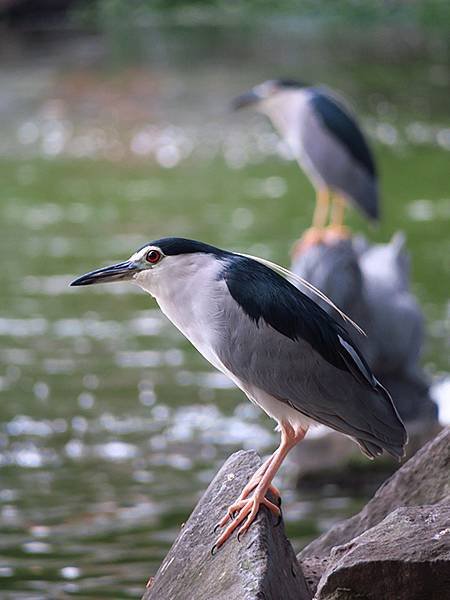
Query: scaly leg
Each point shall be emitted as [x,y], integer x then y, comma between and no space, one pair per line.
[247,508]
[251,485]
[314,235]
[336,229]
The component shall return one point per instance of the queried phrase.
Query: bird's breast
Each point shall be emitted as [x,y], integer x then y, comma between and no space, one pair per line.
[191,298]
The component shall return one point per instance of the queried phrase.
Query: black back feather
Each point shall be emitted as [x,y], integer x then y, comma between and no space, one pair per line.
[265,295]
[343,126]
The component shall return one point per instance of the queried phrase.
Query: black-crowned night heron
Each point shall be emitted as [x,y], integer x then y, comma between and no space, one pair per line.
[277,345]
[324,137]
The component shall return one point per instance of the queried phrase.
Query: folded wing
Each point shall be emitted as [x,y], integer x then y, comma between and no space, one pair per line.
[303,357]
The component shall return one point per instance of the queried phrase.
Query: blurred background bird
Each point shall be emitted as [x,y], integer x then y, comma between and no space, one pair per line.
[278,346]
[324,136]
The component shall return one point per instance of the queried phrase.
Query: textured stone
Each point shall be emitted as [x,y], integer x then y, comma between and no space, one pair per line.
[262,566]
[406,557]
[423,480]
[313,568]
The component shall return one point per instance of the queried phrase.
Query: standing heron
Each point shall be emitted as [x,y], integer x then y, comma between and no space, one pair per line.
[326,140]
[277,345]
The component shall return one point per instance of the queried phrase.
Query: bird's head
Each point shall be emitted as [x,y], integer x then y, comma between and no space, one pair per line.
[158,261]
[264,92]
[168,265]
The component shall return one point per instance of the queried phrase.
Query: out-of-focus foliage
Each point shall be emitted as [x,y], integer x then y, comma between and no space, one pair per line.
[419,13]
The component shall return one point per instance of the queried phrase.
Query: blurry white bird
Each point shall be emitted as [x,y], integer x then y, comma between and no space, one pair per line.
[326,140]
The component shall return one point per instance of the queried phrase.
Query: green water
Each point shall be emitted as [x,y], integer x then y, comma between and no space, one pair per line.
[110,424]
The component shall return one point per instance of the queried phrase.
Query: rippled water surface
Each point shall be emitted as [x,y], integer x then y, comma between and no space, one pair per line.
[111,425]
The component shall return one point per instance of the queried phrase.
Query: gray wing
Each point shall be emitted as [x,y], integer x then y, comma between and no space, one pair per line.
[294,373]
[338,153]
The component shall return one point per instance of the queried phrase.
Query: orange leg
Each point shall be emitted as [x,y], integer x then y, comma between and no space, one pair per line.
[251,485]
[336,229]
[245,509]
[314,235]
[321,210]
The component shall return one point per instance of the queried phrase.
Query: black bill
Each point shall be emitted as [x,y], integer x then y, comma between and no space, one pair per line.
[244,100]
[121,271]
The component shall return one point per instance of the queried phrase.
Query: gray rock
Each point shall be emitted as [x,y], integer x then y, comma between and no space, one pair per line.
[262,566]
[313,569]
[396,321]
[423,480]
[406,557]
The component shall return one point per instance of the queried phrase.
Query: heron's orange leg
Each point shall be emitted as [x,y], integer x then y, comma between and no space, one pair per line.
[336,229]
[246,509]
[314,235]
[321,210]
[256,478]
[254,481]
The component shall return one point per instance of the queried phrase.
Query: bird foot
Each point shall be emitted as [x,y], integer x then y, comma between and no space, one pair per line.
[244,511]
[335,233]
[253,483]
[311,237]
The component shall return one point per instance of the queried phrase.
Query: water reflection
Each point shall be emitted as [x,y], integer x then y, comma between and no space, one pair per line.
[168,145]
[111,426]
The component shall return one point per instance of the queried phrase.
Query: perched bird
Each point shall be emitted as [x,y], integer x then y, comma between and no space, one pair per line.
[326,140]
[277,345]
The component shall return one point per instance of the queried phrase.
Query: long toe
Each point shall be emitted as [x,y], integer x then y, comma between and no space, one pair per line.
[256,503]
[242,514]
[232,511]
[244,510]
[253,483]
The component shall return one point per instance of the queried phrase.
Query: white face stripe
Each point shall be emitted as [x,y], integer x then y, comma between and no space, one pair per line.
[140,254]
[265,89]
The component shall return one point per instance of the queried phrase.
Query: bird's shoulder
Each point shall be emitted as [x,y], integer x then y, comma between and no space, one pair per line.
[340,120]
[269,299]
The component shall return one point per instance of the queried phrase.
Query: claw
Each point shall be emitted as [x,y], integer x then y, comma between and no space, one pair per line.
[216,528]
[214,550]
[280,518]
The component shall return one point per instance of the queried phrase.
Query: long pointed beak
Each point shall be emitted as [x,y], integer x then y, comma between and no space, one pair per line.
[121,271]
[246,99]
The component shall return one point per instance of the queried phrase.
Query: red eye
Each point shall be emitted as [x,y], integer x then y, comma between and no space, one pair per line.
[153,256]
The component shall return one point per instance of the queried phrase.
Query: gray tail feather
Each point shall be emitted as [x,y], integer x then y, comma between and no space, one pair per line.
[369,201]
[389,434]
[372,450]
[397,447]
